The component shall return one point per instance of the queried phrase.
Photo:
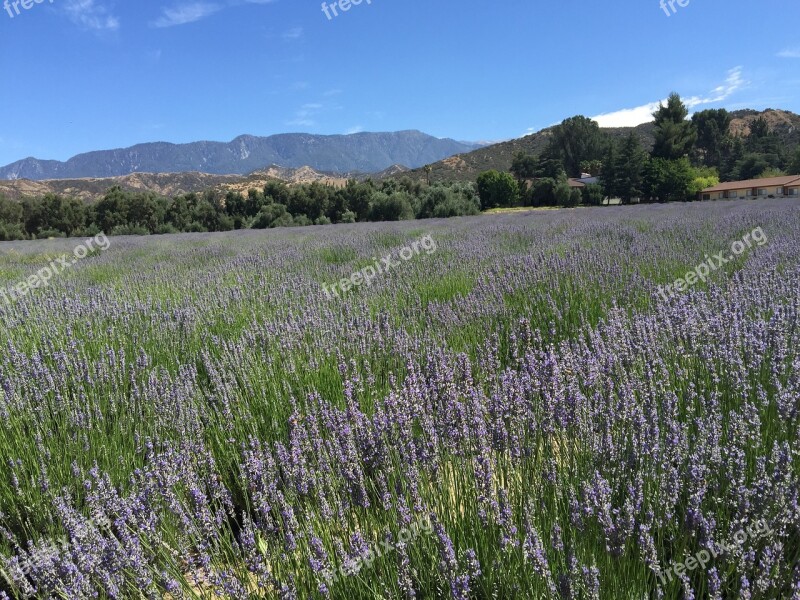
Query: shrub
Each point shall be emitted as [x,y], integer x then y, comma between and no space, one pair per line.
[391,207]
[562,193]
[497,189]
[302,220]
[269,214]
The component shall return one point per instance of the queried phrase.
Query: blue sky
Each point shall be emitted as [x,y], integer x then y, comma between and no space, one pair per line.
[82,75]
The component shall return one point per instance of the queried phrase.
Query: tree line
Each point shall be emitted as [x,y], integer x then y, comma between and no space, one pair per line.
[688,155]
[123,212]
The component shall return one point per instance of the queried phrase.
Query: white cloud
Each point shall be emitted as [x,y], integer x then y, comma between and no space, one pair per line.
[790,53]
[189,12]
[91,15]
[353,130]
[630,117]
[733,83]
[185,13]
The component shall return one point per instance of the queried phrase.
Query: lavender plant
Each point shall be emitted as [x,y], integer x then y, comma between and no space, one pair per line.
[517,415]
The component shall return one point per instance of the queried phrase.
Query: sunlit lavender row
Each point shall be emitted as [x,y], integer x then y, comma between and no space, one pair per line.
[512,411]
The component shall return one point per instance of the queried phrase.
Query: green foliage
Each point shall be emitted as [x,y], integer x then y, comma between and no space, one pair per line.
[163,229]
[762,140]
[542,192]
[752,166]
[674,135]
[497,189]
[524,166]
[713,129]
[575,198]
[794,164]
[562,194]
[771,172]
[592,167]
[623,174]
[11,231]
[302,220]
[732,152]
[593,194]
[764,151]
[358,197]
[10,211]
[269,215]
[124,212]
[668,180]
[703,178]
[276,192]
[442,201]
[395,206]
[576,140]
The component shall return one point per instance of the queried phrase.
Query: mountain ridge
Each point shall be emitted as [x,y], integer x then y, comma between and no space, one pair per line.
[365,152]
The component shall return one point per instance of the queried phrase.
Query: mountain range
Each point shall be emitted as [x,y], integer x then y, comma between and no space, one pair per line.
[339,154]
[454,161]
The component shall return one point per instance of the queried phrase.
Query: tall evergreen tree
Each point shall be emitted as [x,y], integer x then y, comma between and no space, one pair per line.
[713,129]
[629,169]
[609,177]
[675,136]
[732,153]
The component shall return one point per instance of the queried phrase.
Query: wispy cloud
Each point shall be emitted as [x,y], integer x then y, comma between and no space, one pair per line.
[790,53]
[293,34]
[91,15]
[630,117]
[189,12]
[354,130]
[185,13]
[304,116]
[307,114]
[733,84]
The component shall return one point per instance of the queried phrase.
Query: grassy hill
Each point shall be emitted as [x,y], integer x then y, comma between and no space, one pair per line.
[467,167]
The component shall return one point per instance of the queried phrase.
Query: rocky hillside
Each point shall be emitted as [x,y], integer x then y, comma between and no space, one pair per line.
[165,184]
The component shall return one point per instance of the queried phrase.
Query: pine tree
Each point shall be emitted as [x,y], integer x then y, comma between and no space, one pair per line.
[629,169]
[675,136]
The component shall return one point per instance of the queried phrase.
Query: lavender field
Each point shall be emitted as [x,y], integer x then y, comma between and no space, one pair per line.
[516,412]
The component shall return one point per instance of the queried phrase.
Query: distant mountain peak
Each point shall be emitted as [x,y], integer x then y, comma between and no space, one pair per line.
[363,152]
